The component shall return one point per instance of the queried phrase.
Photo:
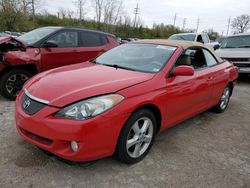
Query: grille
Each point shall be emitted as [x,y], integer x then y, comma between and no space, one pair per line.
[242,65]
[32,136]
[238,59]
[31,106]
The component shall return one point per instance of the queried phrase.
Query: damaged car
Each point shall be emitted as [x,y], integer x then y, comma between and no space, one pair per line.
[47,48]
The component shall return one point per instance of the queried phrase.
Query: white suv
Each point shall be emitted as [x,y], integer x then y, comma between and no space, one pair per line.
[236,49]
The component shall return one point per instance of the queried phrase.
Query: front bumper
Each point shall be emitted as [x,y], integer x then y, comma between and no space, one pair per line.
[96,137]
[243,67]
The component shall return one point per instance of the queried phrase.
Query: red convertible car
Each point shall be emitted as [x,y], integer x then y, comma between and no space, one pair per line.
[116,104]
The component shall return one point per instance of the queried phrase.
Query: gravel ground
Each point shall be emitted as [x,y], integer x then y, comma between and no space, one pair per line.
[209,150]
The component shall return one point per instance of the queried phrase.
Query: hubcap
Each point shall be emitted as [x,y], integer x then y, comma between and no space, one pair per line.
[139,137]
[224,98]
[15,83]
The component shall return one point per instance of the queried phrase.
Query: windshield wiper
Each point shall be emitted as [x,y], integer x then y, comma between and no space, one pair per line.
[31,46]
[119,67]
[94,61]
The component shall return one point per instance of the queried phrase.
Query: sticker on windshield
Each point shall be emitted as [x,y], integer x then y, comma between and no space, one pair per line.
[165,47]
[156,70]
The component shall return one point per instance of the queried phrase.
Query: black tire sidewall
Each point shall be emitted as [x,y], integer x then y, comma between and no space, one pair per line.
[6,76]
[121,150]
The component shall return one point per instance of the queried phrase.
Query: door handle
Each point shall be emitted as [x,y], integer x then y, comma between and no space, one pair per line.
[210,78]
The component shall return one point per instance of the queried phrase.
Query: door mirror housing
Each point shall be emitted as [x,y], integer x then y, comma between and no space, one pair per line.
[50,44]
[183,70]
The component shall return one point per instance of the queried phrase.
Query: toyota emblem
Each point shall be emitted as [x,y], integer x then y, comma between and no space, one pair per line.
[26,104]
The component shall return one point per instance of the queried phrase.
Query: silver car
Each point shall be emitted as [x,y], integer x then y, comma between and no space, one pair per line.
[236,49]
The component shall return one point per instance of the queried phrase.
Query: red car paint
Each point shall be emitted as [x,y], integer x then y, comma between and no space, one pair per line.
[48,58]
[177,98]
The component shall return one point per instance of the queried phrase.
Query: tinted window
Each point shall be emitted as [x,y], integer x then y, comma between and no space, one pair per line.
[66,39]
[236,42]
[189,37]
[209,58]
[91,39]
[138,57]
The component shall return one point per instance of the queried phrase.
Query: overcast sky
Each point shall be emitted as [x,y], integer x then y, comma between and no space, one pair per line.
[212,13]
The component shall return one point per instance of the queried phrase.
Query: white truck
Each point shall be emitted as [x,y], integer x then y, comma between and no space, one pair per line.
[196,37]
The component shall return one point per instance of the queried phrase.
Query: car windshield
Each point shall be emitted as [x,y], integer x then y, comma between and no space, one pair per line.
[189,37]
[236,42]
[138,57]
[34,36]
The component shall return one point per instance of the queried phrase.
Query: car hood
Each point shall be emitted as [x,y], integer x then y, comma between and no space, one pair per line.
[63,86]
[7,39]
[234,52]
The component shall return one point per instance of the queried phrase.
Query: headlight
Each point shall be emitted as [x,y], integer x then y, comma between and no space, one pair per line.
[90,107]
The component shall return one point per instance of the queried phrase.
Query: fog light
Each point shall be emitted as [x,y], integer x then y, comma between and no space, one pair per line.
[74,146]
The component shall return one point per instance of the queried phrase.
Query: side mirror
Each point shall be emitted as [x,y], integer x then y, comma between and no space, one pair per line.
[216,46]
[50,44]
[183,70]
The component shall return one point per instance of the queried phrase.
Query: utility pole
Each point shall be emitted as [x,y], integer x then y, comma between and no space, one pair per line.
[175,16]
[33,12]
[228,24]
[198,24]
[80,9]
[184,23]
[136,12]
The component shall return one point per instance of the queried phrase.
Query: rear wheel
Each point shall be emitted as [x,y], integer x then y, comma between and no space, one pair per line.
[12,82]
[224,100]
[136,137]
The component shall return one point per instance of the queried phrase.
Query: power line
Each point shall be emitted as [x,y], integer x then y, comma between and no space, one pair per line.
[136,12]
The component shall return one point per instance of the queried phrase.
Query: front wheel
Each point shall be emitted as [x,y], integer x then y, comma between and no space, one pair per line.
[12,82]
[136,137]
[224,100]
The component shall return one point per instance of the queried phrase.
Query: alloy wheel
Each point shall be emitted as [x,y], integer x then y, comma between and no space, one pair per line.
[225,98]
[15,83]
[139,137]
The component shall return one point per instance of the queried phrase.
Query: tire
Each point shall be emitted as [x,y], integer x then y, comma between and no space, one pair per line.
[12,82]
[224,101]
[134,132]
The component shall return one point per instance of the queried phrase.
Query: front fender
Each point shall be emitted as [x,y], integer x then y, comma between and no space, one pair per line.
[30,56]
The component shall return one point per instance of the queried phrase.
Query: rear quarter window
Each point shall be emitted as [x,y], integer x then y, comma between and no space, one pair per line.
[91,39]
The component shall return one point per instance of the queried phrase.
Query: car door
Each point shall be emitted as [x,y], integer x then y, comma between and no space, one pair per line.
[66,52]
[92,45]
[218,76]
[188,95]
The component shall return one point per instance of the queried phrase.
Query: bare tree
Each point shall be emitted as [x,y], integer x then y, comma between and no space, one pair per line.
[112,9]
[80,5]
[107,11]
[98,4]
[240,24]
[62,13]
